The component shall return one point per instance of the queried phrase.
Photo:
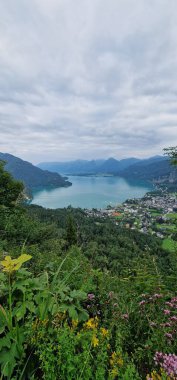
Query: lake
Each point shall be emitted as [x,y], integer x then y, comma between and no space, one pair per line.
[91,192]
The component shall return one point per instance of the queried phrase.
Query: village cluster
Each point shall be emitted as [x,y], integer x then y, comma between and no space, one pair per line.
[152,214]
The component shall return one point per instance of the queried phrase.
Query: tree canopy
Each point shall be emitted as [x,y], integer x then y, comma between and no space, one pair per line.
[171,152]
[10,189]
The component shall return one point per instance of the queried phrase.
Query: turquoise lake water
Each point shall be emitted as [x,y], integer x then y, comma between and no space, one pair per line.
[91,192]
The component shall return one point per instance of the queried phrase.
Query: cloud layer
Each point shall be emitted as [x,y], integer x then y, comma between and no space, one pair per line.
[87,78]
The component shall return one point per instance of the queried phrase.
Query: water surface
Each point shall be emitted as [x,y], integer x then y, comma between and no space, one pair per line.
[91,192]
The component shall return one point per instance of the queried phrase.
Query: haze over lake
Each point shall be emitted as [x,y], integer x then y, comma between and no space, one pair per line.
[91,192]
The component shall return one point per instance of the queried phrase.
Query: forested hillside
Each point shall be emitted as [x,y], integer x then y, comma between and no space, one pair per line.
[82,298]
[30,175]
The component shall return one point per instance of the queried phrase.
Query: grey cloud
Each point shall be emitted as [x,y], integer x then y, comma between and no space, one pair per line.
[87,77]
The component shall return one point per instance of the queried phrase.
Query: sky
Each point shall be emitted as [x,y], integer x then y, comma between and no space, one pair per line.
[87,78]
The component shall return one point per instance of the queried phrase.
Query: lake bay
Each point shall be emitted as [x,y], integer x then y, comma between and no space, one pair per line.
[91,192]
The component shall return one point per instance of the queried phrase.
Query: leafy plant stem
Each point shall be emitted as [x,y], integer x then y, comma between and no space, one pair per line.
[10,301]
[85,363]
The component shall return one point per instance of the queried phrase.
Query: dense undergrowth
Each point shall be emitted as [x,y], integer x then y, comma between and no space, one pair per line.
[81,298]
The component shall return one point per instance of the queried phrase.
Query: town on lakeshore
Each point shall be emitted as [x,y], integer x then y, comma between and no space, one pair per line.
[155,214]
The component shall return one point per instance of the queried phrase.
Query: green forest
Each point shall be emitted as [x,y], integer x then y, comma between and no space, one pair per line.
[82,298]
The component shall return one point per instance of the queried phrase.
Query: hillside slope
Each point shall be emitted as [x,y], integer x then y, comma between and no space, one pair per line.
[156,169]
[30,175]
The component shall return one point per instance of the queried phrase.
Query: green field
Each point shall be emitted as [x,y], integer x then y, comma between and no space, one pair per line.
[167,227]
[169,245]
[155,212]
[172,215]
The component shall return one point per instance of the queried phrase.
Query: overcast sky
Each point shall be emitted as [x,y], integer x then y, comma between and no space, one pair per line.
[87,78]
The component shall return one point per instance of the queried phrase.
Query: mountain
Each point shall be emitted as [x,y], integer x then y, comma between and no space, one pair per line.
[80,167]
[112,166]
[72,167]
[156,169]
[30,175]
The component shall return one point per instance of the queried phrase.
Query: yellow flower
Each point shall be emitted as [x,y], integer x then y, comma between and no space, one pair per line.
[120,362]
[104,332]
[154,376]
[10,265]
[116,359]
[75,323]
[91,323]
[95,341]
[113,357]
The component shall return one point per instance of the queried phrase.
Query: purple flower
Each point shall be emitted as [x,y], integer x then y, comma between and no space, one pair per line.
[168,362]
[169,336]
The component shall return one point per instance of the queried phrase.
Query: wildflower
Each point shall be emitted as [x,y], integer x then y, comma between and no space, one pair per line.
[125,316]
[169,336]
[142,302]
[120,362]
[95,341]
[166,311]
[104,332]
[10,265]
[167,324]
[92,323]
[90,296]
[174,299]
[116,359]
[173,319]
[75,323]
[112,360]
[154,376]
[168,363]
[170,304]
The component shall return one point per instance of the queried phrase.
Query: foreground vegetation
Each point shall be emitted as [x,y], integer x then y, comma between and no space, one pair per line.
[82,298]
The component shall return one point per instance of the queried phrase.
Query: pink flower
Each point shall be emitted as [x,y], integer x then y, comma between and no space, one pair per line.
[90,296]
[170,304]
[174,319]
[166,311]
[125,316]
[174,299]
[142,302]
